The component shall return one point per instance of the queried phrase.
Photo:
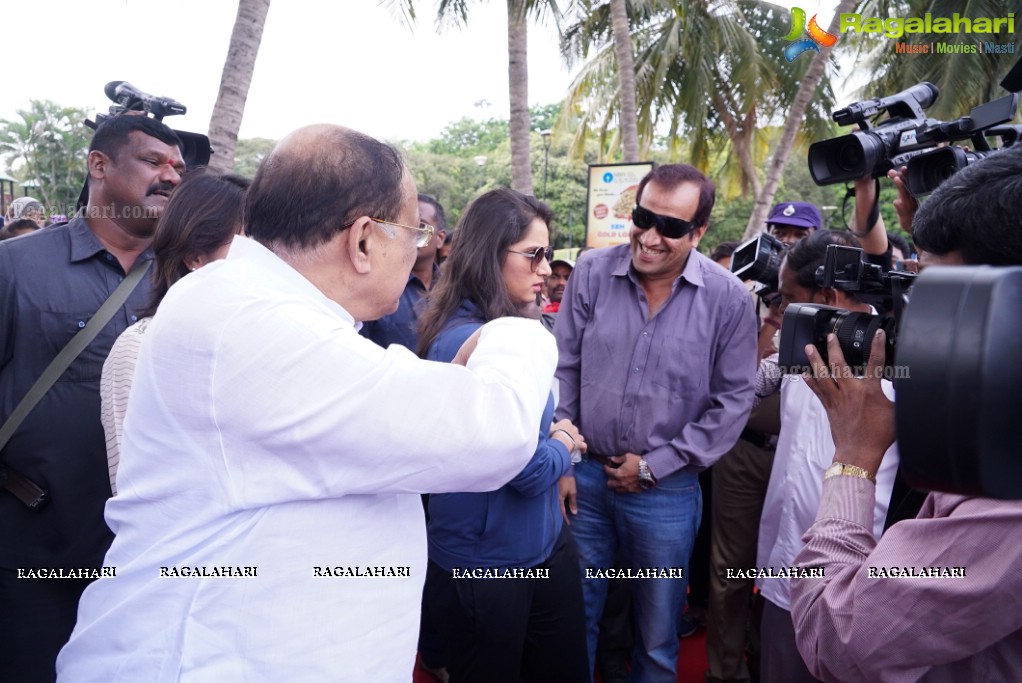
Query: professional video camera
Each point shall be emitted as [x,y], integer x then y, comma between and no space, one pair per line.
[759,260]
[906,137]
[846,268]
[196,149]
[130,98]
[927,171]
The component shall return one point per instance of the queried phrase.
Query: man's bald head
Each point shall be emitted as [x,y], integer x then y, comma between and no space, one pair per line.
[319,179]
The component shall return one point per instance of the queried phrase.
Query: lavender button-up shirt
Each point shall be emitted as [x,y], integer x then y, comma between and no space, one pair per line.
[936,599]
[677,387]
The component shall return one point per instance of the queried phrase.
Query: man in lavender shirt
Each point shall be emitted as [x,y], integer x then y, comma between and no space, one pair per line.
[657,356]
[851,626]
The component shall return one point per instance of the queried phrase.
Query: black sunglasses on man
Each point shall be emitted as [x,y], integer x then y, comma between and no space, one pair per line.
[668,226]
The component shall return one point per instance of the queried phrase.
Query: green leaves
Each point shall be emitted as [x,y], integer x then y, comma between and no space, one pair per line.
[48,143]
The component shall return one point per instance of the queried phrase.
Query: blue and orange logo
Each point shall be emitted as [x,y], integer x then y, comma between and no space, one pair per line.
[817,36]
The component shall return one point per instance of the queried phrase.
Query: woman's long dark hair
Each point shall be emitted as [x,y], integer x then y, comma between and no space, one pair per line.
[474,270]
[203,214]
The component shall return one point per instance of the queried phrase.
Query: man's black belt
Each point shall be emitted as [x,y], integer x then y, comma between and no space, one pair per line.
[760,439]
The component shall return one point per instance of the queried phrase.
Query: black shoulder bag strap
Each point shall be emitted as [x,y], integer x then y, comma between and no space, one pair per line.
[23,488]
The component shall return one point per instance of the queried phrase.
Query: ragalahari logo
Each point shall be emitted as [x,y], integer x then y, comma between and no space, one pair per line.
[817,36]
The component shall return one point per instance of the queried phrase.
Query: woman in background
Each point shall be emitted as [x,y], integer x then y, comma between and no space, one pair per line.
[516,629]
[200,220]
[29,208]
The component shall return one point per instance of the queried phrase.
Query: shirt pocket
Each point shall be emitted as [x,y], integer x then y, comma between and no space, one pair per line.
[59,328]
[682,367]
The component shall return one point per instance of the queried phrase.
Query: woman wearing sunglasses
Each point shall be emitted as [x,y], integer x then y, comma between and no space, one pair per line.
[503,585]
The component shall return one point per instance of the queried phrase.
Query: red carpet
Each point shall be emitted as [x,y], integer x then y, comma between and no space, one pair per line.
[691,662]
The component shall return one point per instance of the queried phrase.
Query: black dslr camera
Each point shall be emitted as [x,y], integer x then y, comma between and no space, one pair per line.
[959,375]
[846,268]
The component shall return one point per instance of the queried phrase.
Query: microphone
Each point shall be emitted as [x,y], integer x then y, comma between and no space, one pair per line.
[129,97]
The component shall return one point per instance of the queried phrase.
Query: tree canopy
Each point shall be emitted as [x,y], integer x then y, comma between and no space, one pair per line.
[48,145]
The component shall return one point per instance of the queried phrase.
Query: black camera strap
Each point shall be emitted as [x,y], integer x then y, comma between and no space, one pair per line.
[27,491]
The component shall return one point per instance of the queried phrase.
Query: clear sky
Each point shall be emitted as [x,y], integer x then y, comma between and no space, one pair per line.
[351,62]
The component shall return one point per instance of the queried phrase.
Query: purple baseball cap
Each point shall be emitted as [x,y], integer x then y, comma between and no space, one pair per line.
[796,214]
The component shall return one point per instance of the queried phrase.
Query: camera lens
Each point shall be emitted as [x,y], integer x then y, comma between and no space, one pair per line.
[846,158]
[855,332]
[849,156]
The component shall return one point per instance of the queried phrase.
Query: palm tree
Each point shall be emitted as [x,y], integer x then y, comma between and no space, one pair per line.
[806,90]
[698,72]
[626,78]
[518,95]
[235,81]
[518,13]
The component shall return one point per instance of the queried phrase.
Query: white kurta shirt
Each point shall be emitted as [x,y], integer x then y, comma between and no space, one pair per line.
[263,432]
[805,449]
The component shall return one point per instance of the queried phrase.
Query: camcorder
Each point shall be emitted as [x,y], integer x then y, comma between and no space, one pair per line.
[196,149]
[759,260]
[127,98]
[846,269]
[908,138]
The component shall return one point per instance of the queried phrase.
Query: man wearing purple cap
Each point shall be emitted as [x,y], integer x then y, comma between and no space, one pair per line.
[791,221]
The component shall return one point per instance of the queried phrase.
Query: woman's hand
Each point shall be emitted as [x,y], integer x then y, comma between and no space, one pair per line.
[568,434]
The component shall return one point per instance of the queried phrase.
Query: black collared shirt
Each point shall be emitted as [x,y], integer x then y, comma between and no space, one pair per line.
[401,326]
[51,283]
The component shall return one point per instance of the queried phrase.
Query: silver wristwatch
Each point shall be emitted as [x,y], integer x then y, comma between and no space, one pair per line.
[646,478]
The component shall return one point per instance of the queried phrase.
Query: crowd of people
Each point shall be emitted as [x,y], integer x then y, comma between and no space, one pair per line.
[299,428]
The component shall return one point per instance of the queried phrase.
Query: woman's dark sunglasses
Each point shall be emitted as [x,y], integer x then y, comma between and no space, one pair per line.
[537,255]
[668,226]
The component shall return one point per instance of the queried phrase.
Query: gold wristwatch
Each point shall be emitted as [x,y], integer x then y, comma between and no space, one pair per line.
[841,469]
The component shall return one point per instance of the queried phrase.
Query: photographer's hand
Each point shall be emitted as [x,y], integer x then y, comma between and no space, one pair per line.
[861,416]
[905,205]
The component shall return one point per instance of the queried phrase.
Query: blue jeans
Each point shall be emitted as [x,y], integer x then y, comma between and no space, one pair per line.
[653,529]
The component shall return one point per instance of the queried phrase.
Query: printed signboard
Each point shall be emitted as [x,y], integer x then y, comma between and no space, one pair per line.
[610,200]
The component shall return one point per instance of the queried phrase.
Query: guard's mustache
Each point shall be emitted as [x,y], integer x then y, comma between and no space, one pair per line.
[161,188]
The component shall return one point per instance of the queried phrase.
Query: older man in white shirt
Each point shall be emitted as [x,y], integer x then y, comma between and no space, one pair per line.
[268,526]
